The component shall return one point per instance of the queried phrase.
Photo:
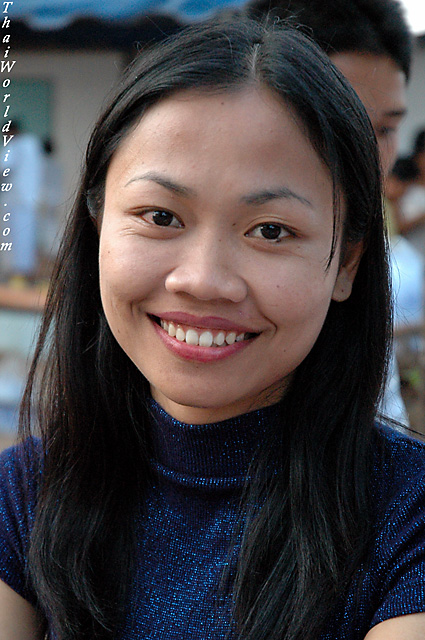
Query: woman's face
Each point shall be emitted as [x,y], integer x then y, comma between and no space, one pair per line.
[214,241]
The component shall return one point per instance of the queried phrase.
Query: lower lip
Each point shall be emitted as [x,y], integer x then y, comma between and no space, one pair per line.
[199,354]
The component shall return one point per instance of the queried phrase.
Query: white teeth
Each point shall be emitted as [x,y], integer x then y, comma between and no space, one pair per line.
[205,339]
[171,330]
[180,334]
[231,337]
[193,338]
[219,339]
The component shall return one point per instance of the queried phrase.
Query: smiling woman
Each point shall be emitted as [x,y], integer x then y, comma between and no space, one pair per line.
[216,338]
[210,239]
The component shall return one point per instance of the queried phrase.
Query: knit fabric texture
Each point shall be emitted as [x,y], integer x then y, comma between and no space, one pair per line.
[186,535]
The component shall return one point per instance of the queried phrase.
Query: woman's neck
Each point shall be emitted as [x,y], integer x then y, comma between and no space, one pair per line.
[206,415]
[195,454]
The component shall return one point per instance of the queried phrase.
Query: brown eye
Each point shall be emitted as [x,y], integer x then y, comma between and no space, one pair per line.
[161,218]
[269,231]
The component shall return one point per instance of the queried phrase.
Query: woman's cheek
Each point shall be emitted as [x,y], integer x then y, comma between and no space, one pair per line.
[296,294]
[129,270]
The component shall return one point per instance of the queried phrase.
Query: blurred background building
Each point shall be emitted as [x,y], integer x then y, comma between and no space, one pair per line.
[69,54]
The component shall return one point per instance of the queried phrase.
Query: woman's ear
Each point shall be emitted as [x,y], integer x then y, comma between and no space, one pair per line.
[347,271]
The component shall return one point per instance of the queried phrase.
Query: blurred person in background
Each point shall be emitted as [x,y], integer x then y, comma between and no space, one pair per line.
[397,183]
[408,276]
[369,41]
[25,160]
[412,205]
[51,201]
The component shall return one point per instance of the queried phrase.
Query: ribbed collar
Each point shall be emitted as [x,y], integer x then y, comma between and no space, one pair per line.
[209,455]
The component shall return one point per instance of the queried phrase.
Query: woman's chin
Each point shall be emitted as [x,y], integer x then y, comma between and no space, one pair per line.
[204,407]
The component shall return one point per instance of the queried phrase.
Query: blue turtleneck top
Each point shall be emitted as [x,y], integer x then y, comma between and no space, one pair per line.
[186,535]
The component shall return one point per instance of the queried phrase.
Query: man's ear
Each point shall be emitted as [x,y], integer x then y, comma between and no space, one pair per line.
[347,271]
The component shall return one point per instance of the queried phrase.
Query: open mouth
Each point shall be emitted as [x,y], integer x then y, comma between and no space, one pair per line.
[196,336]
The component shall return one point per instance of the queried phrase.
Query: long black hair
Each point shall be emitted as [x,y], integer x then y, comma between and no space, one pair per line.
[299,550]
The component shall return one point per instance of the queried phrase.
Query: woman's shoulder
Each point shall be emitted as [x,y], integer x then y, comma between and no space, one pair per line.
[21,461]
[396,569]
[398,483]
[399,467]
[20,470]
[19,474]
[403,442]
[390,581]
[400,457]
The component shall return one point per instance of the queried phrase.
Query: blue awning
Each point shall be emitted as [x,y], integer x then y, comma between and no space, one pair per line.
[56,14]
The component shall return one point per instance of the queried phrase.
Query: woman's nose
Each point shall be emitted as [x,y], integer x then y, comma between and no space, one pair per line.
[206,270]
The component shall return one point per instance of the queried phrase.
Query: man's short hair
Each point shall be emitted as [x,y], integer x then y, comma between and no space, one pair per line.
[405,169]
[338,26]
[419,142]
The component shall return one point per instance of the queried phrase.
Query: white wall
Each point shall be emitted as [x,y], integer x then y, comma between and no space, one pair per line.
[416,101]
[81,81]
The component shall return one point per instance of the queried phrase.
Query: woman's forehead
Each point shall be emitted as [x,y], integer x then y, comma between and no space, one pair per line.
[249,139]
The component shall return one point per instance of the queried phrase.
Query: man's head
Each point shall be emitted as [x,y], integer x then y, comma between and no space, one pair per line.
[369,41]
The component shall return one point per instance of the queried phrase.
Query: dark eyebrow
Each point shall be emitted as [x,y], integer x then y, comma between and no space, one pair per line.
[258,198]
[261,197]
[167,183]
